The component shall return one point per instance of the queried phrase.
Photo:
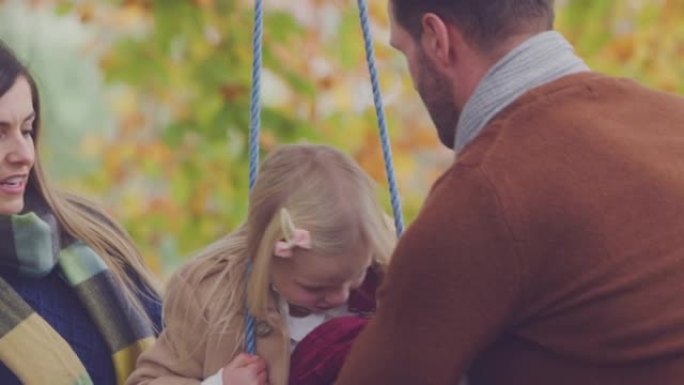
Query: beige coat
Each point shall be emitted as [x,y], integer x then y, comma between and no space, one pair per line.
[177,359]
[164,362]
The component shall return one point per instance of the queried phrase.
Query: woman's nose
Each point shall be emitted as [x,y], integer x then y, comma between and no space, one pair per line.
[21,151]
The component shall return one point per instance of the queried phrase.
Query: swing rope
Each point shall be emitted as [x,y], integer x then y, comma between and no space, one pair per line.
[255,127]
[380,114]
[254,132]
[255,101]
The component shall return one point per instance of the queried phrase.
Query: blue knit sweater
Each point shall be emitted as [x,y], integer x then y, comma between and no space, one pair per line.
[53,299]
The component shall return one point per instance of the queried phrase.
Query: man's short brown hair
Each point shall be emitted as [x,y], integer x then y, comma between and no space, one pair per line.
[484,22]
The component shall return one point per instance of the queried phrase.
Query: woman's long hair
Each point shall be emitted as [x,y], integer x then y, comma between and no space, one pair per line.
[77,217]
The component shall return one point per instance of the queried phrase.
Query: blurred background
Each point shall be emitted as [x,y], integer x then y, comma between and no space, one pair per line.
[147,102]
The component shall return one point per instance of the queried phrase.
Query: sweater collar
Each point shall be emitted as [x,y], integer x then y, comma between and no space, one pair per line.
[539,60]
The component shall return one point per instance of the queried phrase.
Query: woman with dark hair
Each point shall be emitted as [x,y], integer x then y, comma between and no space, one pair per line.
[77,305]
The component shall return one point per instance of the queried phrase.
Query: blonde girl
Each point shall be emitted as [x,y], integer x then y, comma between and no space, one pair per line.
[317,241]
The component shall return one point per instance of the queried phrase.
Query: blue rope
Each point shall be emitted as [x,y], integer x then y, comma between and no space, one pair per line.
[254,131]
[255,124]
[255,102]
[380,113]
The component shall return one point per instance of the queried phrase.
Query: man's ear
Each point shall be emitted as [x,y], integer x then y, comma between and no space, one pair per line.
[435,40]
[442,42]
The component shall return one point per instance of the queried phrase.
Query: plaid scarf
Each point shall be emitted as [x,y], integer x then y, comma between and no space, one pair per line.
[29,346]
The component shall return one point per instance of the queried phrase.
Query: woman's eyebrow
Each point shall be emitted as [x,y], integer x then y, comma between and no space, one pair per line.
[5,123]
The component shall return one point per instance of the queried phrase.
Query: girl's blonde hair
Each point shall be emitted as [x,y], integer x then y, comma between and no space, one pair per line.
[324,192]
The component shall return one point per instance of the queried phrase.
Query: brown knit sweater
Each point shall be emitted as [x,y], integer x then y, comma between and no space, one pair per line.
[550,253]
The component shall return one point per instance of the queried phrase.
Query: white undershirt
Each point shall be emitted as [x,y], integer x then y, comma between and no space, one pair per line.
[216,379]
[300,327]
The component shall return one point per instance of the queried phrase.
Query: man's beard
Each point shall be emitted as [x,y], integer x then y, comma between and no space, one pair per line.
[438,96]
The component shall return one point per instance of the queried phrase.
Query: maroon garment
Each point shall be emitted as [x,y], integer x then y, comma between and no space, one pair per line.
[362,300]
[318,358]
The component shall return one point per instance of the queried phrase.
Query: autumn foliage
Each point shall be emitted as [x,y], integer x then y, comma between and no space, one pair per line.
[177,79]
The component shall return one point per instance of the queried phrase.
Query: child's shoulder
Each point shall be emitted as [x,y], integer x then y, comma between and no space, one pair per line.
[200,277]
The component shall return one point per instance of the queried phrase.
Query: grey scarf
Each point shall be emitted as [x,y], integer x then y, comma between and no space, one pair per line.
[541,59]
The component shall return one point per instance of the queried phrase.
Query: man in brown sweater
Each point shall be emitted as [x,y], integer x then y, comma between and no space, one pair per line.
[552,251]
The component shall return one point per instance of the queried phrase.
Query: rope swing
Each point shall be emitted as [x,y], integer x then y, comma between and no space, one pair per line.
[255,127]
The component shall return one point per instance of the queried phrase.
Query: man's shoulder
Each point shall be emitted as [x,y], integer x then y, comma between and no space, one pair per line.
[573,109]
[584,93]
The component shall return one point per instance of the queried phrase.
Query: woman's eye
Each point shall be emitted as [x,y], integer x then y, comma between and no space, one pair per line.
[27,131]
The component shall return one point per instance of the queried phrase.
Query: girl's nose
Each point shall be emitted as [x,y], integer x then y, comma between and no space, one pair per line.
[337,298]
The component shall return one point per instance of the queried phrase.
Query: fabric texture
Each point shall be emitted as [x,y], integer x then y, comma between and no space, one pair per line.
[550,252]
[177,358]
[57,303]
[318,357]
[539,60]
[300,327]
[216,379]
[27,339]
